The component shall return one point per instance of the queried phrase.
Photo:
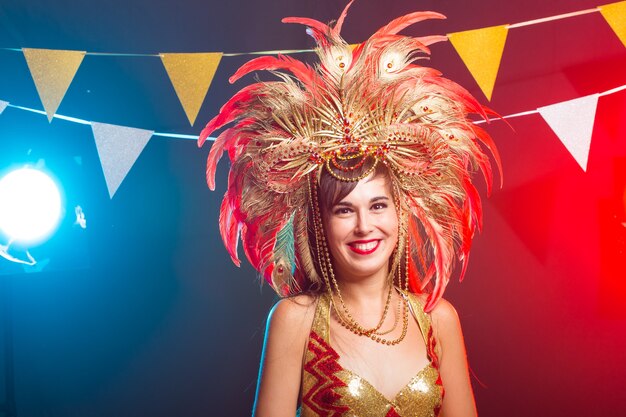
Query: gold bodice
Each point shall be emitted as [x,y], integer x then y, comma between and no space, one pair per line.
[328,389]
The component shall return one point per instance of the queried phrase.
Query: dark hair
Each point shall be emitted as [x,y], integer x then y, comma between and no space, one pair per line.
[331,190]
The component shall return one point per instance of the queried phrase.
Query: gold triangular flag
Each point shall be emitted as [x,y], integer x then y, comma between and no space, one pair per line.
[191,75]
[481,51]
[353,46]
[615,16]
[53,72]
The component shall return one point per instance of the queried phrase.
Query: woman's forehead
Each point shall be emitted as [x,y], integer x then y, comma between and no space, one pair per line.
[369,188]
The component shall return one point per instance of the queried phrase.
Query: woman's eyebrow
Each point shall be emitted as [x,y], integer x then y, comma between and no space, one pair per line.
[373,200]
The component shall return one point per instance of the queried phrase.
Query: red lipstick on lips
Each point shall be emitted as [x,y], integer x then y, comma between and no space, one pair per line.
[363,242]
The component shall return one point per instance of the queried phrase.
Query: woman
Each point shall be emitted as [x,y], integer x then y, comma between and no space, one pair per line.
[350,190]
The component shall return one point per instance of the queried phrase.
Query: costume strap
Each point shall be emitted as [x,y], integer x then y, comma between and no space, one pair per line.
[321,320]
[423,319]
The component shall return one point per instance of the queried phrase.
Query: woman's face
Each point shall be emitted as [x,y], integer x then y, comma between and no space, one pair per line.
[362,229]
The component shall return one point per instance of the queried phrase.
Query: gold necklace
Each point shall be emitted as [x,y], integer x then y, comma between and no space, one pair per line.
[395,322]
[376,337]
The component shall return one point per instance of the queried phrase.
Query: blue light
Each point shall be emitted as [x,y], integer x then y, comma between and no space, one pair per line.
[30,205]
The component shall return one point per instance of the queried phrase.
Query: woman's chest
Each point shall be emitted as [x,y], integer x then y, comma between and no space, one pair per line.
[329,388]
[386,368]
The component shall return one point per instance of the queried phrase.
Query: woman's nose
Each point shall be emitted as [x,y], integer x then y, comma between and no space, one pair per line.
[363,223]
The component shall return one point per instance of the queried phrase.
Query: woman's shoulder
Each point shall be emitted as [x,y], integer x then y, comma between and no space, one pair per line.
[288,328]
[443,310]
[443,317]
[293,316]
[446,327]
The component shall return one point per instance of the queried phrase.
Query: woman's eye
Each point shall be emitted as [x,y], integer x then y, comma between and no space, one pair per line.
[342,210]
[379,206]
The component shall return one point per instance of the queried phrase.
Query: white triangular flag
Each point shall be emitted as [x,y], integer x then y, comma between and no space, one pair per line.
[572,121]
[3,105]
[118,149]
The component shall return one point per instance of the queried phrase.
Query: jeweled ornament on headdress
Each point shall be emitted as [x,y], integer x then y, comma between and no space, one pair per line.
[355,109]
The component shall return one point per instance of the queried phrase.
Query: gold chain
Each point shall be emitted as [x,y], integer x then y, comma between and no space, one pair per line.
[395,322]
[376,337]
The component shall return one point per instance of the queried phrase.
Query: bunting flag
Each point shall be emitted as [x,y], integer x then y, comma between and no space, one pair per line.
[53,72]
[191,75]
[118,149]
[615,16]
[572,121]
[481,52]
[3,105]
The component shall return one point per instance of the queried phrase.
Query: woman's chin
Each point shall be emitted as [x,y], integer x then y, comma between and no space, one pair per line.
[365,269]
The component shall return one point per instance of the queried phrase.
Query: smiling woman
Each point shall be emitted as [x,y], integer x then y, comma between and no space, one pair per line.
[350,187]
[362,227]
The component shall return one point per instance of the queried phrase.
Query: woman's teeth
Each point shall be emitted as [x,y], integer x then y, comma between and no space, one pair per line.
[365,246]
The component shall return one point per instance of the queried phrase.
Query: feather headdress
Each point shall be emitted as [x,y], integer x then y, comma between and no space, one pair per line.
[357,107]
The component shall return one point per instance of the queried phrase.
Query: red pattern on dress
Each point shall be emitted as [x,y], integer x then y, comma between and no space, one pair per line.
[321,398]
[430,347]
[431,343]
[392,413]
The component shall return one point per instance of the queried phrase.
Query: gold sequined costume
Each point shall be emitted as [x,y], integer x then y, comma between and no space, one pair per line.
[328,389]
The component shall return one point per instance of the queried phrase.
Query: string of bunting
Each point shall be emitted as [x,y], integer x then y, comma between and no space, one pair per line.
[191,75]
[120,146]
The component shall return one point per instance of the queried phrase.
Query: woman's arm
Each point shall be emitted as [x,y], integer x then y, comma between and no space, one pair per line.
[458,400]
[288,327]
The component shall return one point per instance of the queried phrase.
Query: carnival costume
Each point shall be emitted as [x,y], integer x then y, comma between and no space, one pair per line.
[358,108]
[328,389]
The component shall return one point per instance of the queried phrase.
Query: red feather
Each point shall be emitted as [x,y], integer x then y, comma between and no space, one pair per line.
[303,72]
[416,240]
[229,229]
[218,121]
[471,104]
[229,111]
[228,140]
[258,243]
[246,248]
[430,273]
[215,154]
[342,17]
[474,204]
[464,263]
[267,274]
[400,23]
[489,143]
[429,40]
[318,30]
[231,218]
[442,258]
[466,239]
[306,21]
[383,41]
[467,228]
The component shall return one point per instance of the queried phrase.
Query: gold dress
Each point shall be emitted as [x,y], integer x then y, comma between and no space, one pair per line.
[328,389]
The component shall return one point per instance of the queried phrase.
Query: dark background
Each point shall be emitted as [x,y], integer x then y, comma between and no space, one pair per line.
[144,314]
